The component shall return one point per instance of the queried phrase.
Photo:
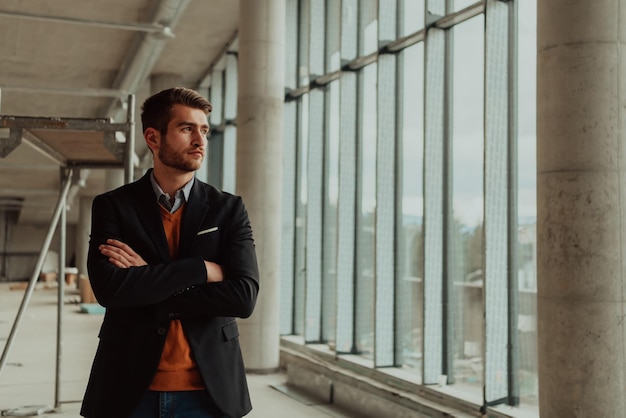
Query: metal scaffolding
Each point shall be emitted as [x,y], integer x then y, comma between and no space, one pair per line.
[48,135]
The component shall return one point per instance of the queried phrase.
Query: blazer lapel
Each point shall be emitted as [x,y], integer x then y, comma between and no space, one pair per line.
[196,209]
[150,216]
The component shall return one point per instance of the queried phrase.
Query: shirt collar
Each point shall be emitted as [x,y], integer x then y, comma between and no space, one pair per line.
[178,199]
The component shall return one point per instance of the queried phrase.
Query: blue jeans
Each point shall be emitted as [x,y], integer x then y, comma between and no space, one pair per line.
[187,404]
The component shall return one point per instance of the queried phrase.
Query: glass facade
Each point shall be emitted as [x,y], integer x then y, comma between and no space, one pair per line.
[526,193]
[409,209]
[366,209]
[409,228]
[465,222]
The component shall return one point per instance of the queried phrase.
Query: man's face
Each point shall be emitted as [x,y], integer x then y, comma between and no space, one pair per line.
[184,144]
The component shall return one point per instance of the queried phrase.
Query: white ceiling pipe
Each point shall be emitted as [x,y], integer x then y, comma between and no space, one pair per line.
[143,54]
[141,27]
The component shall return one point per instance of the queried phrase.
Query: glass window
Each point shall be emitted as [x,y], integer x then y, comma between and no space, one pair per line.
[462,4]
[346,208]
[289,187]
[387,19]
[230,87]
[368,28]
[366,201]
[410,262]
[386,208]
[317,24]
[229,180]
[435,205]
[314,217]
[301,214]
[216,118]
[331,198]
[465,274]
[450,122]
[527,203]
[333,32]
[215,157]
[303,43]
[349,29]
[291,44]
[412,16]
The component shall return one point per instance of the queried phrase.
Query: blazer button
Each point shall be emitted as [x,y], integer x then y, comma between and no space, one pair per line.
[161,331]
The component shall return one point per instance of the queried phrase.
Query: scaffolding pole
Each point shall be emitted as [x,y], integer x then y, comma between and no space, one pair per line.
[40,261]
[129,150]
[61,291]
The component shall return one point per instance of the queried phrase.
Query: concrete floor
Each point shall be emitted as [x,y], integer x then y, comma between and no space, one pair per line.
[28,377]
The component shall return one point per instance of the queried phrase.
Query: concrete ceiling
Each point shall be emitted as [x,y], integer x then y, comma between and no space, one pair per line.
[81,59]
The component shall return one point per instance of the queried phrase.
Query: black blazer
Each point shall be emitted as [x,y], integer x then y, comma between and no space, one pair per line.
[141,301]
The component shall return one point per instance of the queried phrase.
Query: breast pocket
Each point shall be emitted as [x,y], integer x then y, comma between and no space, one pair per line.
[207,231]
[206,243]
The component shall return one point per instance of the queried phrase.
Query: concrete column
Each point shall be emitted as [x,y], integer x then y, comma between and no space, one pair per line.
[581,207]
[113,178]
[259,164]
[83,228]
[141,149]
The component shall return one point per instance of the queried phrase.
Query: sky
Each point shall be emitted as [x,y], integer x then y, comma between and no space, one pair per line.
[468,118]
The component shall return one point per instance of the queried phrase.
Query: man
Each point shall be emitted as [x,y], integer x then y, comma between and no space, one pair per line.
[173,261]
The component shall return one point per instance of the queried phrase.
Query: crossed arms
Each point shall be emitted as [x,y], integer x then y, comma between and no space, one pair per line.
[126,272]
[122,256]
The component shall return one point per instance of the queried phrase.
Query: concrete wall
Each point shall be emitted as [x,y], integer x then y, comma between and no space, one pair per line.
[24,246]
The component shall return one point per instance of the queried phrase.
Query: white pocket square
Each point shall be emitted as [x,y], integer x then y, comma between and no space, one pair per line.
[206,231]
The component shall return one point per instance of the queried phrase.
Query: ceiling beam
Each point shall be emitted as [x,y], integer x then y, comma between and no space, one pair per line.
[154,27]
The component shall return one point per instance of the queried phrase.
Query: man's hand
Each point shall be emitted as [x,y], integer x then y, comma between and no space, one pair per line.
[121,255]
[213,272]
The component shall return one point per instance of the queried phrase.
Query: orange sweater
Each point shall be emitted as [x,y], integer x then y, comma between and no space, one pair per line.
[177,369]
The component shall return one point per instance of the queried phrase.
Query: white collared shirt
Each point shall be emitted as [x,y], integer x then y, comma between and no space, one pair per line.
[181,196]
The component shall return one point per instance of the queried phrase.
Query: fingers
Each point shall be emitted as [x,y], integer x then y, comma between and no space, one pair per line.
[122,246]
[114,251]
[115,255]
[120,254]
[119,263]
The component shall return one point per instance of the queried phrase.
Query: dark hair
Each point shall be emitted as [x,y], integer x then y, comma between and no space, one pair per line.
[156,110]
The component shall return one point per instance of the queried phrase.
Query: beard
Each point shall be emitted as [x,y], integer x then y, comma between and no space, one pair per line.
[173,159]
